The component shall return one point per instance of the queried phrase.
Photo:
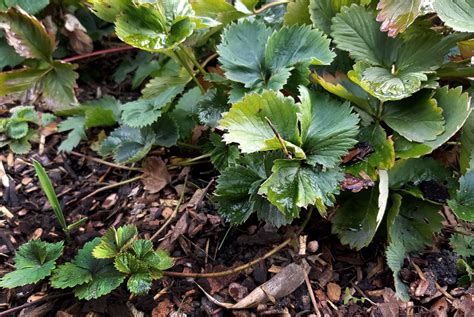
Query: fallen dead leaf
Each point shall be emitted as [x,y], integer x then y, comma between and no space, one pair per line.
[155,175]
[334,292]
[163,309]
[440,308]
[80,42]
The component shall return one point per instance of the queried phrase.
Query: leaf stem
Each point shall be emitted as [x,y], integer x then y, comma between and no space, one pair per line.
[192,58]
[247,265]
[96,53]
[182,61]
[282,143]
[269,5]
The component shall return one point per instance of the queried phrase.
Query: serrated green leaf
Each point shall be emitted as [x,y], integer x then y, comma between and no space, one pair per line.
[165,85]
[30,6]
[417,118]
[467,144]
[397,16]
[396,253]
[383,156]
[20,80]
[462,244]
[456,110]
[115,241]
[21,146]
[58,86]
[24,114]
[463,203]
[76,127]
[141,113]
[415,223]
[246,125]
[297,12]
[160,260]
[139,283]
[211,106]
[328,128]
[415,171]
[129,264]
[141,248]
[166,131]
[90,277]
[222,155]
[253,56]
[34,261]
[219,10]
[456,14]
[17,130]
[185,112]
[128,144]
[26,34]
[322,11]
[355,222]
[294,185]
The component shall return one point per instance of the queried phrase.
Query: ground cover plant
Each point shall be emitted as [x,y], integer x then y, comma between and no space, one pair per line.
[261,111]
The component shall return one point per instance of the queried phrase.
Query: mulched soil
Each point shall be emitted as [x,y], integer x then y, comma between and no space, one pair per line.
[344,282]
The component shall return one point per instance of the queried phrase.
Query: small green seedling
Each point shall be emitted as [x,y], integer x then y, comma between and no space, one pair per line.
[48,189]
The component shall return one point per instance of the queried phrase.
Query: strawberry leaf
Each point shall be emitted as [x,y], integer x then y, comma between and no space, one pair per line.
[463,202]
[34,261]
[115,241]
[456,14]
[297,13]
[397,16]
[27,35]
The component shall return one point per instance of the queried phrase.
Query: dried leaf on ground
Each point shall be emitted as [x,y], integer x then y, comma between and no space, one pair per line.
[155,175]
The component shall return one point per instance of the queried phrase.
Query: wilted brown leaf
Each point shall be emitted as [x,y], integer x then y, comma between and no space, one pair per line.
[155,175]
[80,42]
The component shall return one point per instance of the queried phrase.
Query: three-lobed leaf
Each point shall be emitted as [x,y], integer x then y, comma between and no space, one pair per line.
[115,241]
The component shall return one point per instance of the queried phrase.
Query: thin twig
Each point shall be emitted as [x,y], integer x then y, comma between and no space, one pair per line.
[244,266]
[280,139]
[193,60]
[127,181]
[98,160]
[183,62]
[175,211]
[269,5]
[37,302]
[311,293]
[97,53]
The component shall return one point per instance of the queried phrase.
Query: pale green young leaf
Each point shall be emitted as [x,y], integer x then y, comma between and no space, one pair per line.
[27,35]
[58,86]
[129,264]
[457,14]
[397,16]
[463,203]
[462,244]
[128,144]
[160,260]
[297,12]
[219,10]
[21,146]
[417,118]
[142,248]
[115,241]
[328,128]
[108,10]
[456,110]
[245,123]
[34,261]
[165,85]
[139,283]
[294,185]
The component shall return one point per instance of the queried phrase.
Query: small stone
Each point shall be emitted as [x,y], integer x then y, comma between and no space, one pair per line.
[312,246]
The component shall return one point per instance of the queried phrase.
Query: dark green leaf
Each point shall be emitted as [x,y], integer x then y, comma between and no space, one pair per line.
[58,86]
[463,202]
[396,253]
[462,244]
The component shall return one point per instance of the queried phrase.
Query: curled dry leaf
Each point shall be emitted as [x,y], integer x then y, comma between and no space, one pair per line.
[280,285]
[155,175]
[80,42]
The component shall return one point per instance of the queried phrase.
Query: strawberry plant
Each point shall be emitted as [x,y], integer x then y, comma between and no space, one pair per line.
[343,106]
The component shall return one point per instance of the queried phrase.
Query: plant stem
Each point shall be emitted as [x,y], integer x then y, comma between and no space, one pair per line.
[193,60]
[96,53]
[175,211]
[247,265]
[269,5]
[183,62]
[98,160]
[278,136]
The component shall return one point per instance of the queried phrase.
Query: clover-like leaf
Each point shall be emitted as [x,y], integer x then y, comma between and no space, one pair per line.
[328,128]
[252,55]
[417,118]
[456,14]
[128,144]
[115,241]
[247,123]
[90,277]
[294,185]
[397,16]
[456,110]
[34,261]
[26,34]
